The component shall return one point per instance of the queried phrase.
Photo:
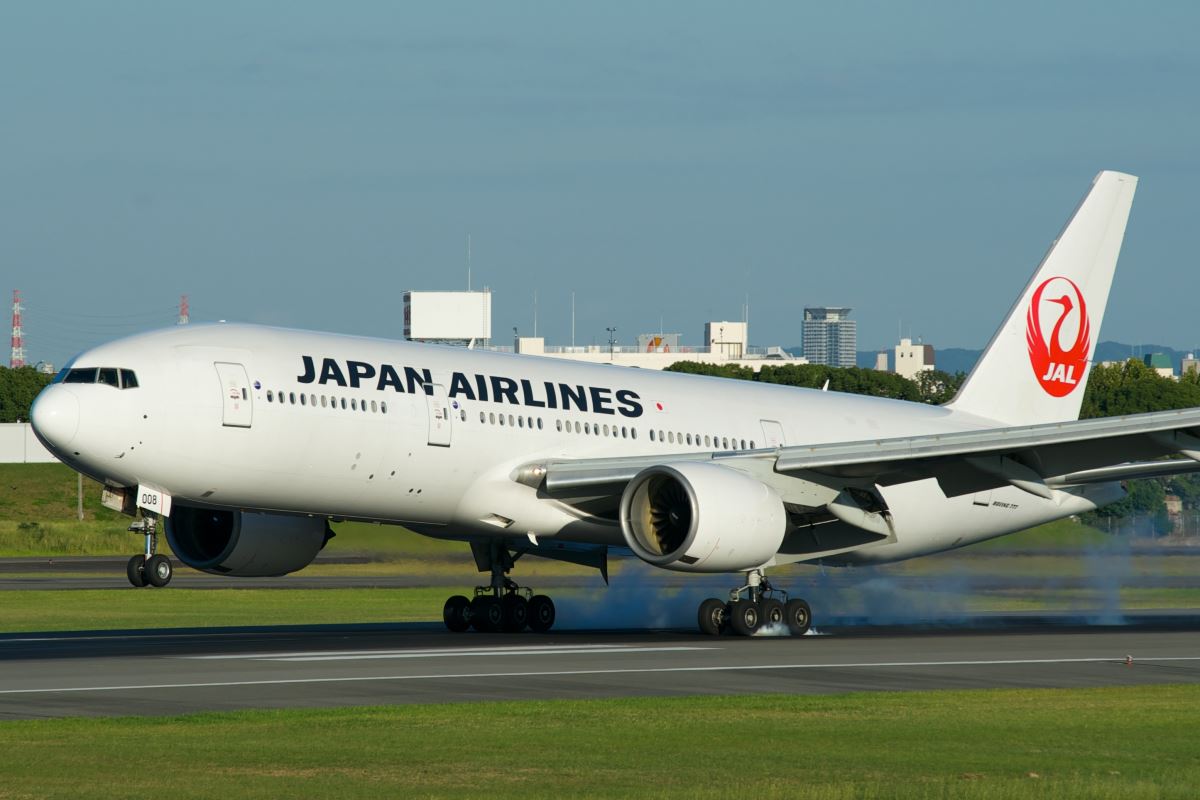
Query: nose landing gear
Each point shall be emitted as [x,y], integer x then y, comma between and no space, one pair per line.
[149,568]
[760,608]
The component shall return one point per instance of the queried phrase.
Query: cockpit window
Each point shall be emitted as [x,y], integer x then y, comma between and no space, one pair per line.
[109,376]
[81,375]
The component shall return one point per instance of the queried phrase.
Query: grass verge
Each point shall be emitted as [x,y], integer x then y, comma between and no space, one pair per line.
[1131,742]
[99,609]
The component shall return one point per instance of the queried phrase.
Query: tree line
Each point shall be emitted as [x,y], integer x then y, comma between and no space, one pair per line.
[18,388]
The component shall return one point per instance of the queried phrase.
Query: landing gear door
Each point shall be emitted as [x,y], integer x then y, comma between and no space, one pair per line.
[772,433]
[237,408]
[440,417]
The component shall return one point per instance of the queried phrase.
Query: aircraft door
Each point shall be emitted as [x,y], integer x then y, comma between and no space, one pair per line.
[238,409]
[772,433]
[440,416]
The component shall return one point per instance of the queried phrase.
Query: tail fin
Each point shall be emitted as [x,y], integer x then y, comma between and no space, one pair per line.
[1036,366]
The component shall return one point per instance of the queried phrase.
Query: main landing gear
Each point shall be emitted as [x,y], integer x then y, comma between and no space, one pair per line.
[150,568]
[760,608]
[501,606]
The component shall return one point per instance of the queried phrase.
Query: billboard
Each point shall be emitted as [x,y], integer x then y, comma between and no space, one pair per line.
[448,315]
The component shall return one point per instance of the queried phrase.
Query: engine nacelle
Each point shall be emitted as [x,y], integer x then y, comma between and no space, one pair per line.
[701,517]
[244,544]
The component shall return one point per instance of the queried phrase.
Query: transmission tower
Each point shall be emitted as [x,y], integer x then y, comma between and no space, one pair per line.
[183,310]
[17,359]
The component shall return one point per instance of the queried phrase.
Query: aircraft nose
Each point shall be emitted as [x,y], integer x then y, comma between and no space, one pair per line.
[55,416]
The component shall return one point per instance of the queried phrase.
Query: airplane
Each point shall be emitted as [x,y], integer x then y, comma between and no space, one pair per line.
[246,441]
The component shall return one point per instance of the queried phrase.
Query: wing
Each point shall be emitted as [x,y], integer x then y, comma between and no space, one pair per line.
[1035,458]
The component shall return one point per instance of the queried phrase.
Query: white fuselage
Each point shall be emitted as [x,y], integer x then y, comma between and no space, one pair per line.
[310,434]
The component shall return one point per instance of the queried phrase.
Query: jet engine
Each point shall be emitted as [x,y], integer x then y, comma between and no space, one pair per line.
[701,517]
[244,544]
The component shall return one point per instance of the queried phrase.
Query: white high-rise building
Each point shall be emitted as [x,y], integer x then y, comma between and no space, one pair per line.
[829,337]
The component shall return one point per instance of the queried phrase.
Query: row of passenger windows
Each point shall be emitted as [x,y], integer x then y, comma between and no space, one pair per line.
[530,423]
[722,442]
[353,404]
[109,376]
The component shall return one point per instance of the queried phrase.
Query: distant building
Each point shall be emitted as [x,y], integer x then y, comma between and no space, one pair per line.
[726,343]
[829,337]
[912,359]
[1160,363]
[727,338]
[1189,364]
[881,361]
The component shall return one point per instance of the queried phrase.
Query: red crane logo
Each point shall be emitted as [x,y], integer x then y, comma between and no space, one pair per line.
[1059,370]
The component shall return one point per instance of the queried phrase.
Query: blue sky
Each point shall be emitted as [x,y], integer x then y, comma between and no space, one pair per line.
[306,163]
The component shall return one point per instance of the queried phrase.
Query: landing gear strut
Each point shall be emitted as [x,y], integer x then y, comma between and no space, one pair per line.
[759,608]
[150,568]
[502,605]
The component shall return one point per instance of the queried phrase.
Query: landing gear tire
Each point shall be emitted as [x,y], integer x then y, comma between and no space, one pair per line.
[711,616]
[798,616]
[514,613]
[487,616]
[158,571]
[744,617]
[457,613]
[135,571]
[771,612]
[541,613]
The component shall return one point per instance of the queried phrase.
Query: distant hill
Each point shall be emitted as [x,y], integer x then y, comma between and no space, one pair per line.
[958,359]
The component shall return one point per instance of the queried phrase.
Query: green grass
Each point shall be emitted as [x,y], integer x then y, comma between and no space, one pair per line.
[1130,742]
[96,609]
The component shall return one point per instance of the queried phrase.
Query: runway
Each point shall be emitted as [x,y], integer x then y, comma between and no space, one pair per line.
[170,672]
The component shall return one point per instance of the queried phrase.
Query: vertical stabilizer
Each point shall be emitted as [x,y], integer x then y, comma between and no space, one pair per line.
[1036,366]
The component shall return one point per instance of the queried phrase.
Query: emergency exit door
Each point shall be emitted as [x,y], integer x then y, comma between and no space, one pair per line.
[237,405]
[440,416]
[772,433]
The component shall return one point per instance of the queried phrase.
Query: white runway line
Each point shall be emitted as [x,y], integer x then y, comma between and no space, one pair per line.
[443,652]
[1119,660]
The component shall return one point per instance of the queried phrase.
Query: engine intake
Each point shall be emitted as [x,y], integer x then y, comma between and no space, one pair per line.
[244,544]
[701,517]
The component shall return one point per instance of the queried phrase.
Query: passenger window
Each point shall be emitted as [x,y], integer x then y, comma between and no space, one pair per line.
[354,404]
[270,396]
[633,432]
[374,407]
[312,398]
[725,443]
[671,437]
[652,434]
[343,404]
[587,427]
[707,441]
[81,376]
[383,407]
[577,426]
[624,432]
[539,423]
[606,430]
[501,420]
[462,414]
[510,420]
[492,417]
[530,421]
[128,379]
[292,398]
[482,417]
[520,422]
[751,444]
[689,438]
[743,444]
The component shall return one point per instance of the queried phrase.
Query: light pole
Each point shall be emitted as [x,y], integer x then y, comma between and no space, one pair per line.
[612,340]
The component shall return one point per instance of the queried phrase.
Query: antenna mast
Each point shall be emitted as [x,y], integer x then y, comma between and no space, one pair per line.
[17,359]
[184,314]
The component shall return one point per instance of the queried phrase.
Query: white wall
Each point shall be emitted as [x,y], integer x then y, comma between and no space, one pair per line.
[18,445]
